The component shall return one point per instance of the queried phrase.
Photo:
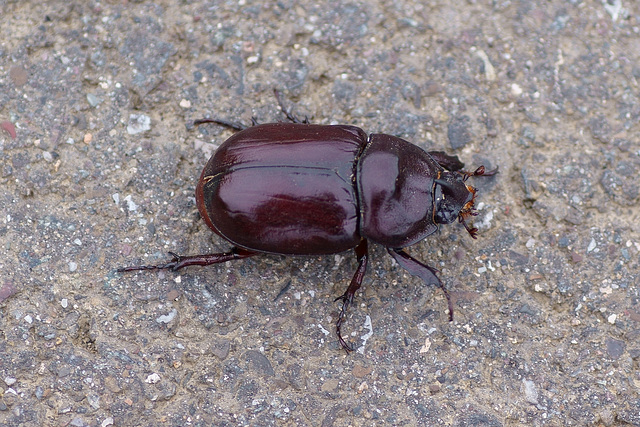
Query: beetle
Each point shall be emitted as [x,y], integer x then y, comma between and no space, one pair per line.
[305,189]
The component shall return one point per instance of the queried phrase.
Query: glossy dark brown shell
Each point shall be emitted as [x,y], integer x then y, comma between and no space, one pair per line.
[284,188]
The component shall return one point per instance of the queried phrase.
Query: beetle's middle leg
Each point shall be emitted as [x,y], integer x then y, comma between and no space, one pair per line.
[179,261]
[241,126]
[362,253]
[227,123]
[423,271]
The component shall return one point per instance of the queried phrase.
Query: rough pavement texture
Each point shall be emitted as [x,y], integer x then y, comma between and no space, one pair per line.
[99,161]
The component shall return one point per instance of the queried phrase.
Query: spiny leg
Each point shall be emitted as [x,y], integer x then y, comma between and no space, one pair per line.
[287,112]
[362,253]
[478,172]
[423,271]
[451,163]
[227,123]
[179,261]
[240,126]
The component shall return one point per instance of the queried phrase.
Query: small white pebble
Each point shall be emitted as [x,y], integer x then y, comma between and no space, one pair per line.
[131,204]
[612,319]
[78,242]
[116,198]
[530,391]
[73,266]
[166,318]
[153,378]
[606,290]
[516,90]
[28,318]
[10,381]
[592,245]
[64,302]
[613,8]
[323,330]
[427,345]
[185,103]
[138,123]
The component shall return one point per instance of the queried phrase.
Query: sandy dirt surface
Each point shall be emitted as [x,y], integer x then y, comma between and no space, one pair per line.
[99,160]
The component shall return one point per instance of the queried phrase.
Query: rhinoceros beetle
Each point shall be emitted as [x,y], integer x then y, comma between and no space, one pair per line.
[303,189]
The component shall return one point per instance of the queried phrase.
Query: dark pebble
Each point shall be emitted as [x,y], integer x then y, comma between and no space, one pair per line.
[259,363]
[458,132]
[615,348]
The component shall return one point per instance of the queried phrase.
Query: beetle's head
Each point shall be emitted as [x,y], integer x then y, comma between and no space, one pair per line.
[454,198]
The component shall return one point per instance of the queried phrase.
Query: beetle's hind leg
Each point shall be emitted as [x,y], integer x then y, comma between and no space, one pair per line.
[179,261]
[287,112]
[226,123]
[362,253]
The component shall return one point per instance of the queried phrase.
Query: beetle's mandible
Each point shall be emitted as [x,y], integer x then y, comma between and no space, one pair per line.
[303,189]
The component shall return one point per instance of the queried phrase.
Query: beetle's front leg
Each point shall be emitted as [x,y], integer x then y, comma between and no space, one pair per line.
[423,271]
[362,253]
[451,163]
[179,261]
[478,172]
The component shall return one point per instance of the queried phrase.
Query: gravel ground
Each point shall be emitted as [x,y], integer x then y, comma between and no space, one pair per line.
[99,162]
